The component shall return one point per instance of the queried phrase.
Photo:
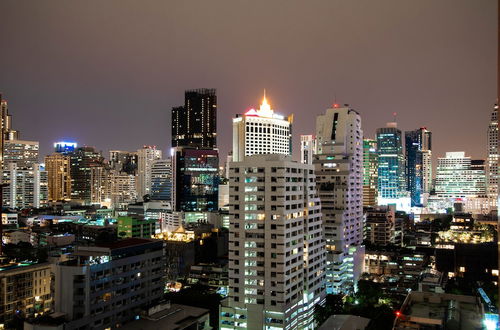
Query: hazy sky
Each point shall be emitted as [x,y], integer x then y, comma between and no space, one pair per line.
[106,73]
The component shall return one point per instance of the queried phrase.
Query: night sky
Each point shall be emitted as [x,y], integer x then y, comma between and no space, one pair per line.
[106,73]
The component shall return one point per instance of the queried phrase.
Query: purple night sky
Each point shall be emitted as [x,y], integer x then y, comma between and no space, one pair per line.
[106,73]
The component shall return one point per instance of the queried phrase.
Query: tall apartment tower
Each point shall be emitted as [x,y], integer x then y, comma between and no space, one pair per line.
[261,132]
[391,164]
[161,180]
[370,172]
[58,167]
[339,174]
[195,124]
[492,174]
[82,160]
[307,148]
[418,164]
[23,153]
[145,158]
[276,246]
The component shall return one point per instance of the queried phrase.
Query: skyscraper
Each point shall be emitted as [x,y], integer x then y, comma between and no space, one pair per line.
[370,172]
[196,177]
[339,173]
[23,153]
[307,148]
[276,249]
[418,164]
[195,124]
[25,186]
[391,164]
[261,132]
[58,167]
[145,158]
[492,174]
[82,160]
[161,180]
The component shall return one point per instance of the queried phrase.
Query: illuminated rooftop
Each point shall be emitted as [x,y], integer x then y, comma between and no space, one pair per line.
[265,110]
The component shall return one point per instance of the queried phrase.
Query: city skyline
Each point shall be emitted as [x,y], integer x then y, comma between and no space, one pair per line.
[443,67]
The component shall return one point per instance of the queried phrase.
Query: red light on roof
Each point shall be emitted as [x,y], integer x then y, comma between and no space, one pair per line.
[398,313]
[336,105]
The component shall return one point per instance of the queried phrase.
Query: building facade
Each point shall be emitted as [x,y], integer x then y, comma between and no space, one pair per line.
[261,132]
[161,180]
[81,162]
[307,148]
[145,158]
[276,245]
[492,174]
[418,164]
[195,124]
[339,173]
[58,171]
[370,172]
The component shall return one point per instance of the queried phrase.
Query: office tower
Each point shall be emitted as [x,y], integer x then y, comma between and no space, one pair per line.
[276,249]
[492,160]
[23,153]
[24,186]
[391,164]
[261,132]
[195,124]
[107,285]
[123,161]
[7,133]
[196,179]
[457,176]
[145,158]
[58,167]
[307,148]
[123,189]
[339,174]
[161,180]
[370,172]
[81,162]
[64,147]
[418,164]
[25,291]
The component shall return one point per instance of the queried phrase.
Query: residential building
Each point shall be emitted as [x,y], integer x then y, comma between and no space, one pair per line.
[81,162]
[25,290]
[122,189]
[380,225]
[261,132]
[307,148]
[370,172]
[123,161]
[26,186]
[23,153]
[339,173]
[492,174]
[276,245]
[145,158]
[58,167]
[195,124]
[107,285]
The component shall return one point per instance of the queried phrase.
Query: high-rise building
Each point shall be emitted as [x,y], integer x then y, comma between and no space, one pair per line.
[261,132]
[196,179]
[195,124]
[457,176]
[23,153]
[65,147]
[276,249]
[492,174]
[161,180]
[370,172]
[391,164]
[145,158]
[380,226]
[122,189]
[59,176]
[24,188]
[100,185]
[418,164]
[339,174]
[7,133]
[123,161]
[81,162]
[307,148]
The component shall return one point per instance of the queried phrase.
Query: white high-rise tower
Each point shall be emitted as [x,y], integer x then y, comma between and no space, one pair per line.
[145,159]
[339,173]
[276,242]
[492,174]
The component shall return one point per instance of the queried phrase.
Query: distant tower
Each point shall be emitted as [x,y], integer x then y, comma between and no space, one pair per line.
[307,148]
[492,160]
[195,123]
[418,164]
[370,172]
[146,157]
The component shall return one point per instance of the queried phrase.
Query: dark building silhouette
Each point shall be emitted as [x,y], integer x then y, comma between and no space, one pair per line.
[81,162]
[195,124]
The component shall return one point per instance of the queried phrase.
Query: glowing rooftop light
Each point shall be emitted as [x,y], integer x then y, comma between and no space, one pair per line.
[264,110]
